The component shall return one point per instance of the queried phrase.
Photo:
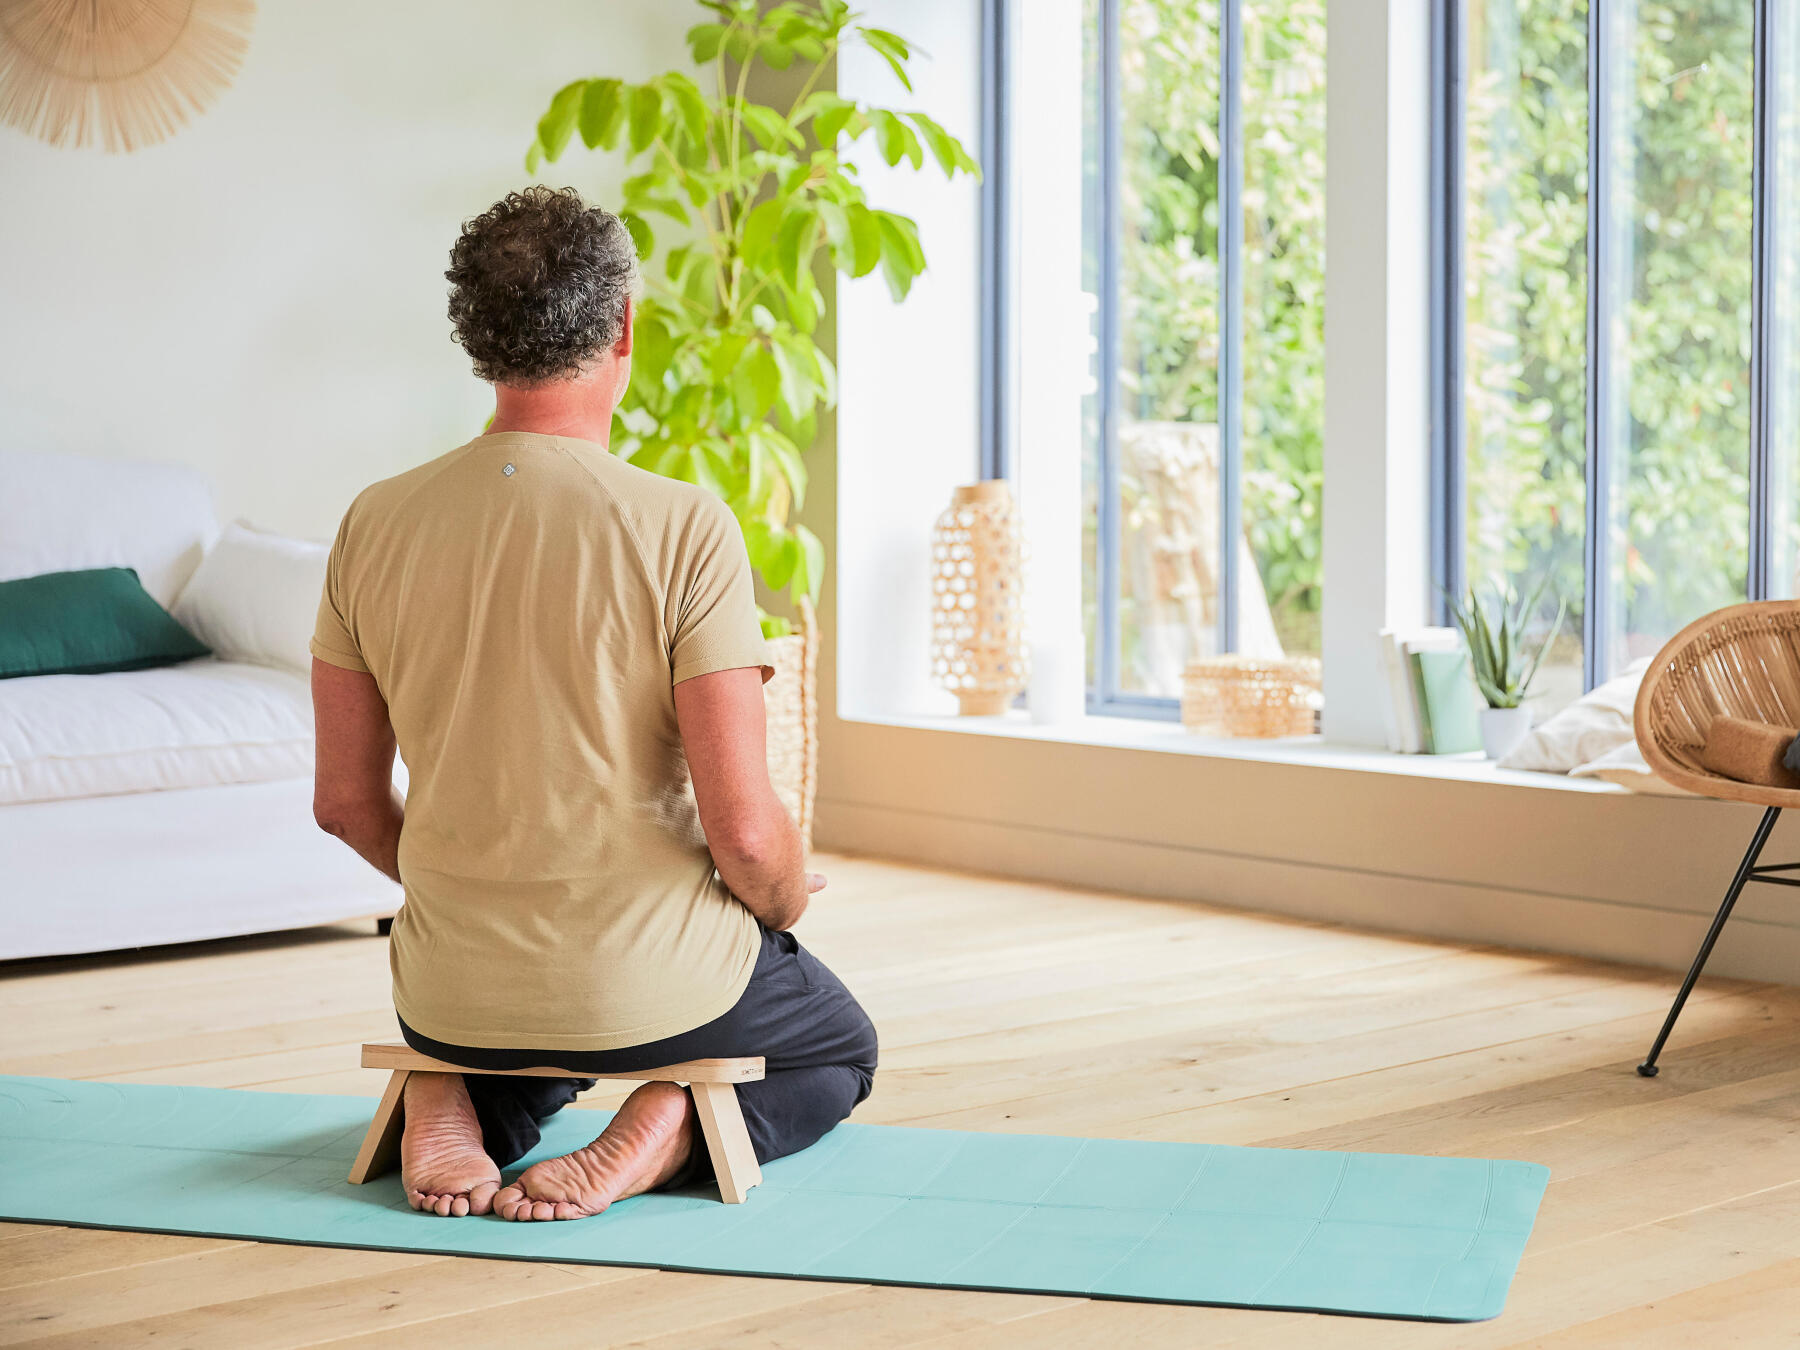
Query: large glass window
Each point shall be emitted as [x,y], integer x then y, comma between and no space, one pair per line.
[1204,257]
[1611,424]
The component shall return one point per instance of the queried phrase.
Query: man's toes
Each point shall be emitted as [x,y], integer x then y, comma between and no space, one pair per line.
[543,1210]
[459,1207]
[416,1199]
[481,1198]
[564,1210]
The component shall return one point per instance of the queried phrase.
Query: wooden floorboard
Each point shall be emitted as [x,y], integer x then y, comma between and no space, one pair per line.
[1672,1218]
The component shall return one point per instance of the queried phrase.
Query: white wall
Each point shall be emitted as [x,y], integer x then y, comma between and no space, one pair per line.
[262,296]
[908,417]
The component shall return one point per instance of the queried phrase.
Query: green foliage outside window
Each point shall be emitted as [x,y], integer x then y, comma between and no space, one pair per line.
[1169,270]
[1682,179]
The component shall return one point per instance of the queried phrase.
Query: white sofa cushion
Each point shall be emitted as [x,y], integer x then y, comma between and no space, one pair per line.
[199,724]
[255,597]
[68,513]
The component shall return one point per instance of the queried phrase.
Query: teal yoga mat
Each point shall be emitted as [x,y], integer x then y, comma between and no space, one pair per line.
[1383,1234]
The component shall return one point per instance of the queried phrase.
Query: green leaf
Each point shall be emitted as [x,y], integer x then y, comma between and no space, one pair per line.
[891,49]
[653,346]
[945,148]
[895,138]
[727,349]
[602,113]
[901,258]
[803,302]
[764,378]
[805,433]
[826,374]
[673,207]
[783,559]
[769,127]
[774,626]
[534,158]
[809,570]
[788,461]
[798,390]
[837,230]
[763,542]
[899,233]
[690,103]
[794,245]
[758,232]
[641,234]
[703,41]
[646,117]
[757,479]
[865,234]
[829,113]
[558,124]
[706,472]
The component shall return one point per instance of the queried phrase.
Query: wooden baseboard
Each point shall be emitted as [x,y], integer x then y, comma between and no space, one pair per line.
[1756,945]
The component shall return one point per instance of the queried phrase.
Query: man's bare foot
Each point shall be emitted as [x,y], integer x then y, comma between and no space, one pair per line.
[442,1165]
[647,1142]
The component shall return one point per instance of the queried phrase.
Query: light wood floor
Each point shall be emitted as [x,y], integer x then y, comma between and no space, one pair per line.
[1673,1217]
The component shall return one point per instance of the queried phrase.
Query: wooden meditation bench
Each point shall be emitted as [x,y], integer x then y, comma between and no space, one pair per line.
[710,1080]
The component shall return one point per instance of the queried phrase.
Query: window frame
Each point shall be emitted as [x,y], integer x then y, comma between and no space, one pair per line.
[1105,697]
[1448,507]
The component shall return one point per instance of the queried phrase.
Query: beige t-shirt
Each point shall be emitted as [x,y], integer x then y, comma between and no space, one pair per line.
[527,604]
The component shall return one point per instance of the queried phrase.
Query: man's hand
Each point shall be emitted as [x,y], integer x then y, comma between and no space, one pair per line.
[754,844]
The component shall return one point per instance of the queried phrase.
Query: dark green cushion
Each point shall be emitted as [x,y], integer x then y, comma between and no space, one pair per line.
[87,623]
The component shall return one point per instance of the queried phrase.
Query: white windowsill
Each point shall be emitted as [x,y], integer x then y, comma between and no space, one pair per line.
[1133,733]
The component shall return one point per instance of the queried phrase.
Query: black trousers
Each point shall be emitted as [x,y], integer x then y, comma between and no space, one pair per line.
[817,1044]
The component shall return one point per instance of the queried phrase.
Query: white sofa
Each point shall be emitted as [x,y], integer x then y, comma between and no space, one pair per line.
[166,805]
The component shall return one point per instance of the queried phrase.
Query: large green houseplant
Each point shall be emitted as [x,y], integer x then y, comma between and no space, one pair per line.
[728,378]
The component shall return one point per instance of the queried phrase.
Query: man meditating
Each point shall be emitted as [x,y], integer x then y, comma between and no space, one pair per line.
[566,650]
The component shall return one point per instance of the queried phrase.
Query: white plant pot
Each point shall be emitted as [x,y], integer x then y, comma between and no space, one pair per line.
[1503,728]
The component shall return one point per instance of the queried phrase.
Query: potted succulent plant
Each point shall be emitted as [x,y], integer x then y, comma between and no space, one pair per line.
[1503,664]
[728,377]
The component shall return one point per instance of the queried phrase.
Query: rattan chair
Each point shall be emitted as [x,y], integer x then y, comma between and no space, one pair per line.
[1742,661]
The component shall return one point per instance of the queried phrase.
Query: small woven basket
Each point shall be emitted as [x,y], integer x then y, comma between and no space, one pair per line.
[791,704]
[1252,696]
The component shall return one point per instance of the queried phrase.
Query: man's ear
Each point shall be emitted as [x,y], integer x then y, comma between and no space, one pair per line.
[623,346]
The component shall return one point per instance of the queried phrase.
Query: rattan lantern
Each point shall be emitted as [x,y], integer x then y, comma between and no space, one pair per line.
[978,647]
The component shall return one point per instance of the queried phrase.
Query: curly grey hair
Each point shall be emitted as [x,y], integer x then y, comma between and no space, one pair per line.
[538,285]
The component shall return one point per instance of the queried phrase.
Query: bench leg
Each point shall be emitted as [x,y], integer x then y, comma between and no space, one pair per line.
[380,1149]
[727,1141]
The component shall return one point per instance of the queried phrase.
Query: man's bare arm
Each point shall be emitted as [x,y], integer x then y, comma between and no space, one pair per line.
[754,843]
[353,765]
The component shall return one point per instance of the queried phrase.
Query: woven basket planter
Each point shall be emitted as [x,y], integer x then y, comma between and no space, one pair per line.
[791,701]
[1251,696]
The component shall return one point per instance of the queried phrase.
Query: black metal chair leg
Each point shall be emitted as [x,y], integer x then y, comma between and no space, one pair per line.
[1761,837]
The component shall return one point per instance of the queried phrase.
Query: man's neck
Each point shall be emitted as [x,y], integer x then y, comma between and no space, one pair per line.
[571,408]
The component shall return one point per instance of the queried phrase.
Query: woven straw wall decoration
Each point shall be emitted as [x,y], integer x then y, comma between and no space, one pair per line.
[118,73]
[978,611]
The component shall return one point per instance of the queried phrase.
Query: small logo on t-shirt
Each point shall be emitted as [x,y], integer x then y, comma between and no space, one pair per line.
[508,470]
